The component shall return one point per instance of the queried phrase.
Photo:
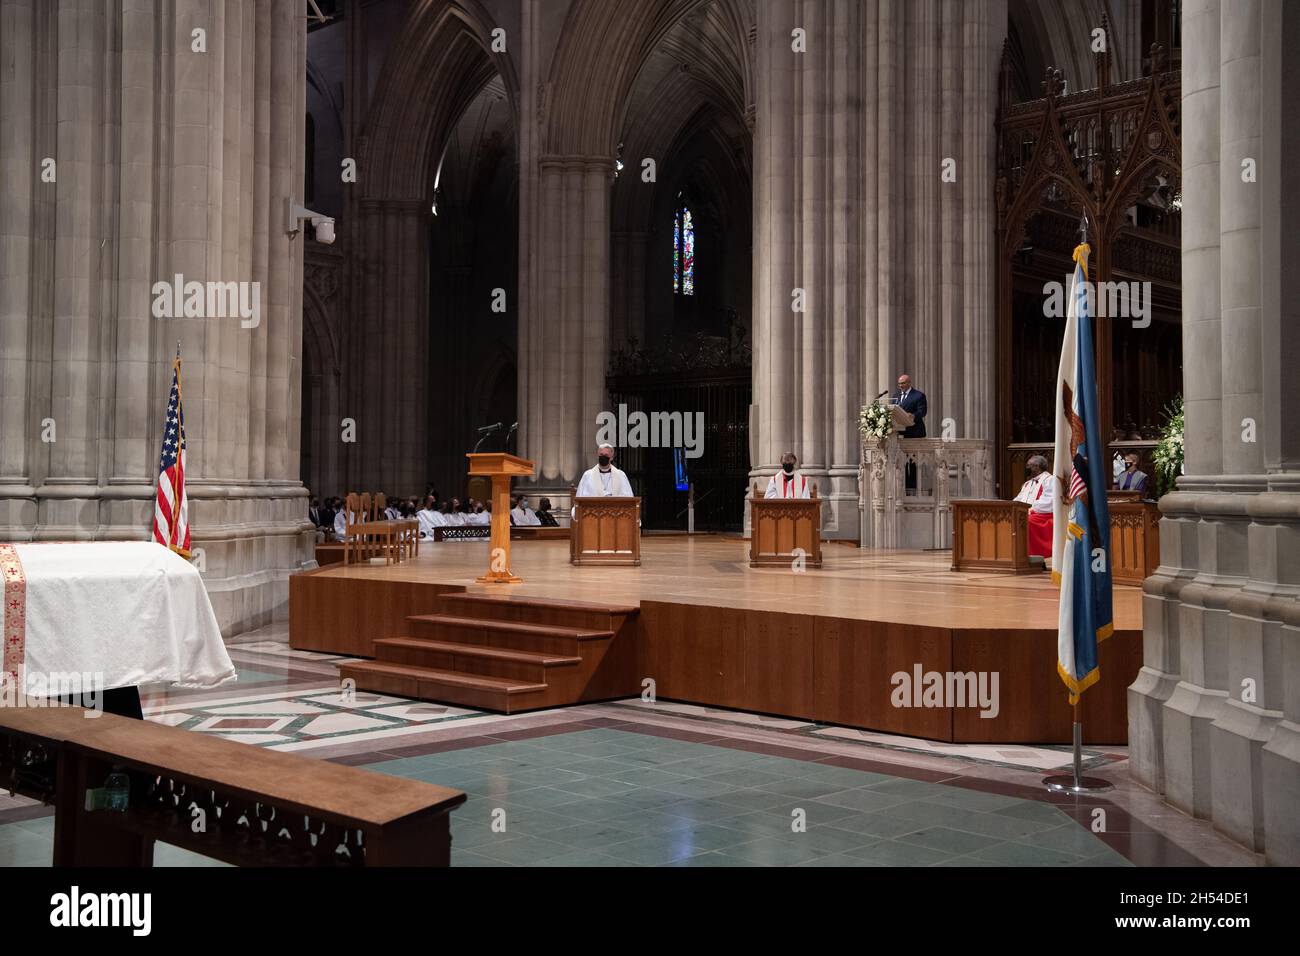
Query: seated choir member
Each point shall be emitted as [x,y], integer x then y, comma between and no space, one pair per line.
[428,517]
[340,522]
[457,514]
[1038,492]
[789,483]
[522,515]
[1131,479]
[391,511]
[479,515]
[544,514]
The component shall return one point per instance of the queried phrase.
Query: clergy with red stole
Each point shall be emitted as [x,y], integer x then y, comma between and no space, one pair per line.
[1038,492]
[788,483]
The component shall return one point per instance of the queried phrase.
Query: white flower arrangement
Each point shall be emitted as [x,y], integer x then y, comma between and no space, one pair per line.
[875,422]
[1168,455]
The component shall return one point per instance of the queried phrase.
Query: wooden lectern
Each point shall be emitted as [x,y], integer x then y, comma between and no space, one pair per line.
[780,525]
[902,420]
[991,535]
[605,530]
[500,467]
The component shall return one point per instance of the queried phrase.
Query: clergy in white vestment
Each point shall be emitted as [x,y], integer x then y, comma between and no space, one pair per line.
[479,517]
[788,483]
[1038,492]
[604,480]
[340,523]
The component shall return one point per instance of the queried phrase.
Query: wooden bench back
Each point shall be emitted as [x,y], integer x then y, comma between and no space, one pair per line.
[257,806]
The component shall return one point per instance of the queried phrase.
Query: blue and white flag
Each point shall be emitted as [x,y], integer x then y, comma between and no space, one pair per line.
[1081,525]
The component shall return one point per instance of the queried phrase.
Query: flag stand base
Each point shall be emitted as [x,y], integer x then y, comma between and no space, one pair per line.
[1076,783]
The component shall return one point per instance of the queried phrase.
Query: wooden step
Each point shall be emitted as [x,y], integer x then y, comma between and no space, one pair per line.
[510,635]
[539,610]
[524,600]
[477,659]
[428,683]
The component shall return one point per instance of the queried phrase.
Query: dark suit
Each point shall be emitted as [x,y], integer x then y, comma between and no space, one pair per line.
[915,404]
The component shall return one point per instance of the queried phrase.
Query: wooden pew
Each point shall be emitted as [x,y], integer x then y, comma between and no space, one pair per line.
[992,535]
[234,802]
[539,533]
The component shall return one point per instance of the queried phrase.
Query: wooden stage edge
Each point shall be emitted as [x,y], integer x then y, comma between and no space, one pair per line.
[893,642]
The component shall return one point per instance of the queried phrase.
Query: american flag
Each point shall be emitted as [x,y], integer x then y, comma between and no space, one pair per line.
[171,524]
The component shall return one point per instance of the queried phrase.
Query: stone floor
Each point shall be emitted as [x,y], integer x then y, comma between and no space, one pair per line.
[633,783]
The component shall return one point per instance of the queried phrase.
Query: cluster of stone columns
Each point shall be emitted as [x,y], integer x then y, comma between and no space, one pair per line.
[142,141]
[386,351]
[855,225]
[1214,717]
[564,339]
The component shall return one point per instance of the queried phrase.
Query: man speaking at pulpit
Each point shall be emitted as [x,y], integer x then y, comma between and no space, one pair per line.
[913,401]
[1037,492]
[788,483]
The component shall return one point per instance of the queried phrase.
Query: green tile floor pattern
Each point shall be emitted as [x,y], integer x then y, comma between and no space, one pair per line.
[609,797]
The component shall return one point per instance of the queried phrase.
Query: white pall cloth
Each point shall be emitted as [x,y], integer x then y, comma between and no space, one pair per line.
[131,611]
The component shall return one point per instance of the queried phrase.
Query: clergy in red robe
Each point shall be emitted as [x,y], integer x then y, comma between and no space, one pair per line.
[1038,492]
[788,483]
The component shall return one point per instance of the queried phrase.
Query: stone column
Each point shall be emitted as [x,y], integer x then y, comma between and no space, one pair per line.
[1221,614]
[175,152]
[850,208]
[1163,610]
[388,350]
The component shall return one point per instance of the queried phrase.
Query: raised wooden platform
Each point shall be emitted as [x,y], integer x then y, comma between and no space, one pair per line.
[698,622]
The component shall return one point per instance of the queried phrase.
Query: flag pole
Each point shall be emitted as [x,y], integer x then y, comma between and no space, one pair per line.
[1076,783]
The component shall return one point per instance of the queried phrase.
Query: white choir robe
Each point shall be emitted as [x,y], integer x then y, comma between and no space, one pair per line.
[524,517]
[456,518]
[392,514]
[427,522]
[480,518]
[796,487]
[340,524]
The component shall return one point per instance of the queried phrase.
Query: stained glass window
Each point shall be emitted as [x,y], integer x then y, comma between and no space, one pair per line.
[683,252]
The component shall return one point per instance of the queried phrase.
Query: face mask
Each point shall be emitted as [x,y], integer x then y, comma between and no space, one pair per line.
[788,468]
[604,461]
